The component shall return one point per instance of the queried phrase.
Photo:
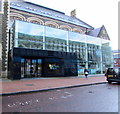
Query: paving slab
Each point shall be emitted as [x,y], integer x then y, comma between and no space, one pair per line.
[42,84]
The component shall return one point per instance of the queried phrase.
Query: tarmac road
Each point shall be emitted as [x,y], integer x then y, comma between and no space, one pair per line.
[94,98]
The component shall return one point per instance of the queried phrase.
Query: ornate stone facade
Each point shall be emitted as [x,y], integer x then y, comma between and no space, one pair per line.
[1,15]
[24,16]
[4,39]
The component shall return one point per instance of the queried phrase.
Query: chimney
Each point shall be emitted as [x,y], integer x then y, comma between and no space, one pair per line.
[73,13]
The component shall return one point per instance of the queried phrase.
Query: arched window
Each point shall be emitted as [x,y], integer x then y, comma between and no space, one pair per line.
[78,30]
[65,27]
[35,20]
[51,24]
[16,16]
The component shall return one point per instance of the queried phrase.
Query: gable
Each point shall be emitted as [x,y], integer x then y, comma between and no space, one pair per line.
[103,33]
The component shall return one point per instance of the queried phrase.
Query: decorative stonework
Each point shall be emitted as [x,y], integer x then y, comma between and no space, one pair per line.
[1,15]
[51,24]
[5,34]
[78,30]
[39,19]
[65,27]
[17,16]
[35,20]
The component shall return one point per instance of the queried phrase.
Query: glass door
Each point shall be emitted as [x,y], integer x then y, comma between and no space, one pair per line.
[34,67]
[27,68]
[22,68]
[39,67]
[31,68]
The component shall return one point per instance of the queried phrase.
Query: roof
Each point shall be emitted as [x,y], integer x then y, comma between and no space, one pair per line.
[100,32]
[47,12]
[95,32]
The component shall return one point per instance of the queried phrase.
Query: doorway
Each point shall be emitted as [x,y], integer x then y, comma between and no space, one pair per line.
[31,68]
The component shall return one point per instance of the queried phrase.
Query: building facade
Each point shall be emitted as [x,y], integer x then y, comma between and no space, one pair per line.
[45,42]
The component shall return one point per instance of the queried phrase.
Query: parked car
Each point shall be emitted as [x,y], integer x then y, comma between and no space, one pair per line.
[113,75]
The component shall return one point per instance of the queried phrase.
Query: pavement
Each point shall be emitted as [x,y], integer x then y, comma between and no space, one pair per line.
[12,87]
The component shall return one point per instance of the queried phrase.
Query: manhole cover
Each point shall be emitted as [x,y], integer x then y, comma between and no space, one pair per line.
[109,88]
[29,84]
[90,92]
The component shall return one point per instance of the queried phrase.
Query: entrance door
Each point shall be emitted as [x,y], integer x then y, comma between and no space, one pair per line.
[39,67]
[22,68]
[27,68]
[31,68]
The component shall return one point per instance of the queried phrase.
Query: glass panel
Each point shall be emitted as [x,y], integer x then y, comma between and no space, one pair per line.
[56,33]
[31,67]
[77,44]
[27,67]
[93,40]
[94,58]
[22,68]
[94,54]
[77,37]
[39,67]
[34,67]
[30,35]
[106,54]
[56,39]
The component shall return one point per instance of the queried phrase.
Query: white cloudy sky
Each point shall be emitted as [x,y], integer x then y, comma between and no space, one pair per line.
[94,12]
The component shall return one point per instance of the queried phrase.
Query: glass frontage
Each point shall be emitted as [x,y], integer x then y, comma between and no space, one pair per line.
[55,39]
[29,35]
[106,54]
[92,52]
[77,45]
[94,61]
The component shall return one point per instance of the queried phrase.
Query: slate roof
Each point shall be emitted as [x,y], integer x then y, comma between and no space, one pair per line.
[47,12]
[95,32]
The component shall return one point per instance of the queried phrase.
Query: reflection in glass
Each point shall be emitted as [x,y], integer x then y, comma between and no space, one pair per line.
[22,68]
[31,67]
[30,35]
[92,51]
[56,39]
[39,67]
[94,57]
[106,54]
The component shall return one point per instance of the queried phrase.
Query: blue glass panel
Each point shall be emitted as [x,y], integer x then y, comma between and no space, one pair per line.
[39,60]
[56,33]
[22,60]
[33,61]
[77,37]
[29,28]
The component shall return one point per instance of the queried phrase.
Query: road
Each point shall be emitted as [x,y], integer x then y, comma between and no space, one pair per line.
[94,98]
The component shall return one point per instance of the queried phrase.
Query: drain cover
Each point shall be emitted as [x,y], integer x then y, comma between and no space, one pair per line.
[29,84]
[90,92]
[109,88]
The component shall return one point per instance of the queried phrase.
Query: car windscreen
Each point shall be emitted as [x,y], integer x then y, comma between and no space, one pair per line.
[110,70]
[117,70]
